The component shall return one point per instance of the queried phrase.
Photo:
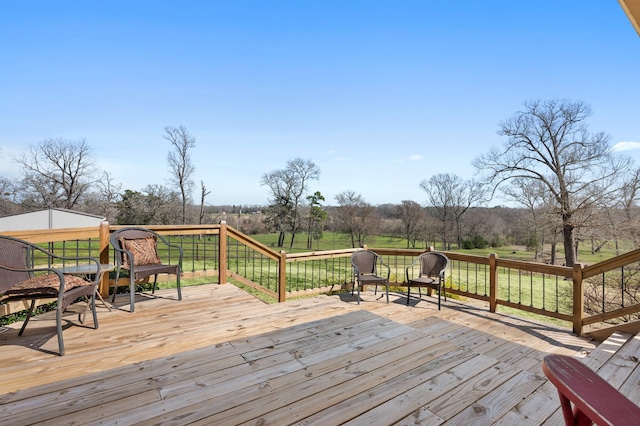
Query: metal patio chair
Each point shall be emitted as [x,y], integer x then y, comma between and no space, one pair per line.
[366,267]
[24,279]
[430,269]
[137,252]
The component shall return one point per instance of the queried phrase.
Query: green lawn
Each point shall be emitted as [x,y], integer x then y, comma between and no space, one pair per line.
[334,241]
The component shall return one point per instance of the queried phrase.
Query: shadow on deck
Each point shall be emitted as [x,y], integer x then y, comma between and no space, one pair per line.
[222,357]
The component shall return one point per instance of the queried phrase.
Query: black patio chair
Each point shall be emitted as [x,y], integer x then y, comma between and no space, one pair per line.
[366,267]
[430,268]
[137,252]
[22,278]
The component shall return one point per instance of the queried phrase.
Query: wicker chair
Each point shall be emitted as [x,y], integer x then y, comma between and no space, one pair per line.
[366,265]
[430,269]
[21,279]
[137,252]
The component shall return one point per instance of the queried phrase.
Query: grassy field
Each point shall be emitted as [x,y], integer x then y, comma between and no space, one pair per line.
[333,241]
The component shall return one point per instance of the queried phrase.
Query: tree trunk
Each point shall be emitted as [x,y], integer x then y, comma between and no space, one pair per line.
[569,243]
[293,238]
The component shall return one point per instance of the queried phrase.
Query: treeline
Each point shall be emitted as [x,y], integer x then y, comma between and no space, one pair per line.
[571,186]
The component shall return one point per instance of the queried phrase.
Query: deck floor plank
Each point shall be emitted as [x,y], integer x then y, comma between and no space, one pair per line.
[499,400]
[220,356]
[425,393]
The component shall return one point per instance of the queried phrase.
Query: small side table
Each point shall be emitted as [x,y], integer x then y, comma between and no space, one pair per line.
[90,270]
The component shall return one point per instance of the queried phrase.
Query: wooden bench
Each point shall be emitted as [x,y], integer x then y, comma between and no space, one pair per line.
[594,399]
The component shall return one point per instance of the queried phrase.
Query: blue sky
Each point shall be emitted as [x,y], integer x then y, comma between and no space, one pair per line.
[379,94]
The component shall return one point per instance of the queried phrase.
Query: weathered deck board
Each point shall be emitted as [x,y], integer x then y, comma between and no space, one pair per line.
[222,357]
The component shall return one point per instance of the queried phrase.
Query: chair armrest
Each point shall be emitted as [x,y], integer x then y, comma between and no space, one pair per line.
[174,246]
[591,395]
[57,256]
[416,261]
[386,266]
[75,259]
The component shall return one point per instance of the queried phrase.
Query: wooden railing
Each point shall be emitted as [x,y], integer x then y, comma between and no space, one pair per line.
[223,252]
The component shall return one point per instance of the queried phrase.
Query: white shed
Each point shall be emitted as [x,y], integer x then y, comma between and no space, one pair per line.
[49,219]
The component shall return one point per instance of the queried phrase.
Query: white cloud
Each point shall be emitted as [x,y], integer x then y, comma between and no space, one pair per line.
[626,146]
[415,157]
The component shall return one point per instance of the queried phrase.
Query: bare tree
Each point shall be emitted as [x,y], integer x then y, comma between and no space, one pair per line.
[451,197]
[8,194]
[103,199]
[412,216]
[356,217]
[203,194]
[549,142]
[628,199]
[531,195]
[57,173]
[288,186]
[316,215]
[180,165]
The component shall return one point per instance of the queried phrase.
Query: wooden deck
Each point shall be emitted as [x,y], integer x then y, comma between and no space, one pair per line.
[221,357]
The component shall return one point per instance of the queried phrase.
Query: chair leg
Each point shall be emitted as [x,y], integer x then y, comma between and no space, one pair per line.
[439,293]
[59,329]
[572,416]
[178,285]
[24,325]
[408,294]
[387,291]
[132,291]
[95,314]
[115,289]
[155,284]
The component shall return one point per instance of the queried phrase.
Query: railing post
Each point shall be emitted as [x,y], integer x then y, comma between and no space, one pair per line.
[103,233]
[222,253]
[578,298]
[282,276]
[493,282]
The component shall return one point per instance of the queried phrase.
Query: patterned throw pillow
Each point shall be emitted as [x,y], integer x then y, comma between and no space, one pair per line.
[144,251]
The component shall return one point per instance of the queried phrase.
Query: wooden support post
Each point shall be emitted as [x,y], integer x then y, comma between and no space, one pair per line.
[578,298]
[493,282]
[282,277]
[222,253]
[103,232]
